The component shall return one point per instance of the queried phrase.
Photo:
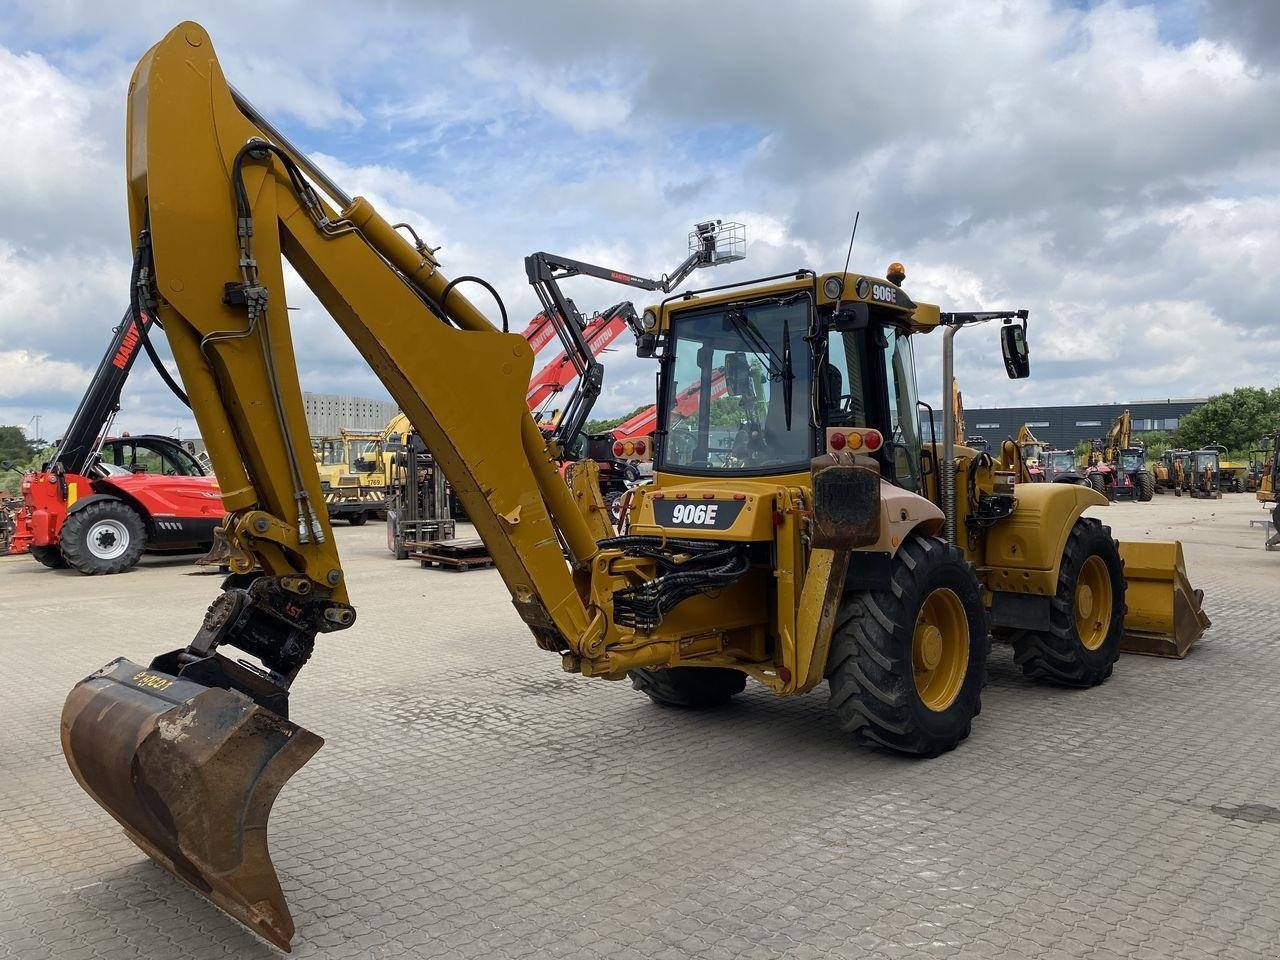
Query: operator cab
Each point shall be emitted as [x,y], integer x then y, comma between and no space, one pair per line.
[158,456]
[755,386]
[1058,462]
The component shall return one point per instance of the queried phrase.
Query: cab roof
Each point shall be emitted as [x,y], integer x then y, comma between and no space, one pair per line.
[831,287]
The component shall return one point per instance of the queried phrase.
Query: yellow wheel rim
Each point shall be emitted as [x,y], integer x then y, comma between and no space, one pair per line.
[1093,603]
[940,649]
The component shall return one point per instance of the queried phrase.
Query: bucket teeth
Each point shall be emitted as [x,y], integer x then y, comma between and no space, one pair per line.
[190,772]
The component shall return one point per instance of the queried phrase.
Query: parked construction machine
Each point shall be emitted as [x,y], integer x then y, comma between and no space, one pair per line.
[1205,481]
[1032,452]
[353,475]
[1172,471]
[1233,475]
[1118,466]
[101,500]
[1268,492]
[798,530]
[1063,466]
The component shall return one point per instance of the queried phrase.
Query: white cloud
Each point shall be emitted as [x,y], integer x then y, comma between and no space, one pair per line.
[23,372]
[1121,185]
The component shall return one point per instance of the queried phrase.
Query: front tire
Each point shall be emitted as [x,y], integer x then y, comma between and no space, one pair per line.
[51,557]
[691,688]
[1146,486]
[907,664]
[1098,482]
[104,537]
[358,519]
[1086,615]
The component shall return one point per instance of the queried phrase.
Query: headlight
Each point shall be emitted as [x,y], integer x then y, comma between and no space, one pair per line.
[833,287]
[649,320]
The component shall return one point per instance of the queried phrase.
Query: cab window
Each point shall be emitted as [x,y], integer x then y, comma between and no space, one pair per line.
[737,399]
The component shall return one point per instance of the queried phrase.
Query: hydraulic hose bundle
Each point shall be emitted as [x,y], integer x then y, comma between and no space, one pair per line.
[685,568]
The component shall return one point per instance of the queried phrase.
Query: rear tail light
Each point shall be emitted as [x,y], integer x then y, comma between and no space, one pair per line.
[874,440]
[641,447]
[618,448]
[837,441]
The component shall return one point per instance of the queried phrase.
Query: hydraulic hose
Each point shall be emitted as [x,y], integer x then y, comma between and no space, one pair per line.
[143,328]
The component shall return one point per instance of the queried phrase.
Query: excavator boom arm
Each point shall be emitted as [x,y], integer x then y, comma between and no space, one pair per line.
[198,744]
[198,188]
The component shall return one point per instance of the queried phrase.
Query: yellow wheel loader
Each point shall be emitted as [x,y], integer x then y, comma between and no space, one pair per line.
[799,528]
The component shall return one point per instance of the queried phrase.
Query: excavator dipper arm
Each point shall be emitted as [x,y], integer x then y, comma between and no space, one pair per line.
[188,753]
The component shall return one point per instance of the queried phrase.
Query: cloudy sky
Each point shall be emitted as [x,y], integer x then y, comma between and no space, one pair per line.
[1111,166]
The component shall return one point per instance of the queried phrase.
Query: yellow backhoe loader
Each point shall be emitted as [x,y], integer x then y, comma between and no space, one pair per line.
[814,537]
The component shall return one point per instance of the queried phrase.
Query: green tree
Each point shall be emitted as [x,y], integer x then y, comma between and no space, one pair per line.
[600,426]
[1236,419]
[15,446]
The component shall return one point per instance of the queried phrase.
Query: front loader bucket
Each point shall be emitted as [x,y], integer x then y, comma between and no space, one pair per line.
[1164,617]
[190,772]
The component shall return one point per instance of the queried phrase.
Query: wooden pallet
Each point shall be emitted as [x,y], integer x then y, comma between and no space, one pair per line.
[463,554]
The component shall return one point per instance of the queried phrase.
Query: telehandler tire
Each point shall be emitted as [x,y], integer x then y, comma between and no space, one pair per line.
[358,519]
[1086,614]
[907,665]
[104,537]
[1146,485]
[1098,482]
[691,688]
[51,557]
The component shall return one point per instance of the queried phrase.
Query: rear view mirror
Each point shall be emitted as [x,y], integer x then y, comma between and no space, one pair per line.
[1013,343]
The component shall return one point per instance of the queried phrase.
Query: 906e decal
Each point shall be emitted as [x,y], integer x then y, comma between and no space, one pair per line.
[697,514]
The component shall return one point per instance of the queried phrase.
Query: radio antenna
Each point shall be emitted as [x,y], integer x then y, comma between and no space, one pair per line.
[848,256]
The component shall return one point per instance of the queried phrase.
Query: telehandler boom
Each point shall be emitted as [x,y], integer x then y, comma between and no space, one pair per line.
[801,530]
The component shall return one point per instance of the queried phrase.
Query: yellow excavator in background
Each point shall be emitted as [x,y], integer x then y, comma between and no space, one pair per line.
[804,534]
[1030,452]
[1117,466]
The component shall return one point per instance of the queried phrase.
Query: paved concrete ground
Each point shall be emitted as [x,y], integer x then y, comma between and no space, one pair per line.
[473,801]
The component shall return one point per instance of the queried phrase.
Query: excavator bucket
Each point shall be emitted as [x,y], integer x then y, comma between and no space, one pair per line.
[1164,617]
[190,772]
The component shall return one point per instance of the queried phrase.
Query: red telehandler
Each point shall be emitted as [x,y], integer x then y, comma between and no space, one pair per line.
[101,500]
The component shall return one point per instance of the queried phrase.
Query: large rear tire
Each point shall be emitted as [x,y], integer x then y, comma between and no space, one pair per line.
[358,519]
[691,688]
[1098,482]
[104,537]
[907,664]
[1146,486]
[51,557]
[1086,615]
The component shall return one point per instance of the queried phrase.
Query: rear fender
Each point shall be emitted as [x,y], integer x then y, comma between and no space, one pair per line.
[97,498]
[830,573]
[1024,552]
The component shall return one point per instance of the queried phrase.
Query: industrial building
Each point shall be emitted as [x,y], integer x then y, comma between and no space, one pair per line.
[330,413]
[1064,427]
